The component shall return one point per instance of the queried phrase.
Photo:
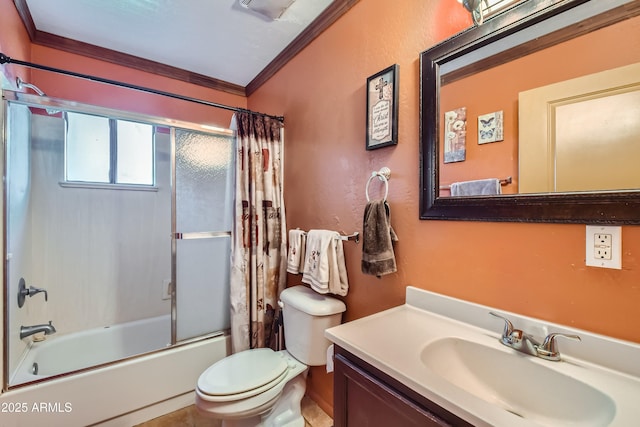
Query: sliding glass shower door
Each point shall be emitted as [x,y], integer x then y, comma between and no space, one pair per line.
[132,264]
[202,232]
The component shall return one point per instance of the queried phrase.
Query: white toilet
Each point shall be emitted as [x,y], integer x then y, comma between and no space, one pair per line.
[262,387]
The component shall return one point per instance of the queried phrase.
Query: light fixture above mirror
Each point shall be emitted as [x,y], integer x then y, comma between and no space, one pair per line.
[482,9]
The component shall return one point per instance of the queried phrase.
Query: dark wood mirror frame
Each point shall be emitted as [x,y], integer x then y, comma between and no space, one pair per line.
[593,208]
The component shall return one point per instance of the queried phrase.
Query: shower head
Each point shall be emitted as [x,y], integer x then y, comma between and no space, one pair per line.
[20,83]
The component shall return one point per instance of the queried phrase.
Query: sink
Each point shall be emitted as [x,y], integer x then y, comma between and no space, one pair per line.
[448,352]
[518,383]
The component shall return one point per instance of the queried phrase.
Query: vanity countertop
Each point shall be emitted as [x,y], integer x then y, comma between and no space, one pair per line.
[394,342]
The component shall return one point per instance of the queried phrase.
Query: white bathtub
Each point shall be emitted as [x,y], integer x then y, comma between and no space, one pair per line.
[112,393]
[60,354]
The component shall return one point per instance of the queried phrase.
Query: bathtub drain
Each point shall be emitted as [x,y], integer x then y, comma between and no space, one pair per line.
[34,369]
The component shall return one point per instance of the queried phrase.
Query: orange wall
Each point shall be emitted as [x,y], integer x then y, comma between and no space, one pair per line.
[90,92]
[14,42]
[534,269]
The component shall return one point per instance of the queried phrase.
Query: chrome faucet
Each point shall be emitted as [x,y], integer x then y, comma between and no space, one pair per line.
[526,343]
[26,331]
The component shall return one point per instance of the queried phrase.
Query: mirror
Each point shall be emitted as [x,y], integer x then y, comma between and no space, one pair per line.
[476,79]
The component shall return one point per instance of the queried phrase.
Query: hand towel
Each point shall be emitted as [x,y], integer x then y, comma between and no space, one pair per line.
[338,281]
[480,187]
[316,265]
[297,244]
[324,267]
[378,257]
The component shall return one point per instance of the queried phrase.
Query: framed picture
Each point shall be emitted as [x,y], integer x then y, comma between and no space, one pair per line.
[382,108]
[490,127]
[455,135]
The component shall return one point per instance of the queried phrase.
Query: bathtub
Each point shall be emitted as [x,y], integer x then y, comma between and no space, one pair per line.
[60,354]
[111,395]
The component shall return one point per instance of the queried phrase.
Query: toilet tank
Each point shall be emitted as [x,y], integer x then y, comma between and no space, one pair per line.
[306,315]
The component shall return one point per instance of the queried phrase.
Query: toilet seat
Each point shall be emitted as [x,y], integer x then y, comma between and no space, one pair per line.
[242,375]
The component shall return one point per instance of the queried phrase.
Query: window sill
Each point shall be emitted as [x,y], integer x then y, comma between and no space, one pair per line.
[100,186]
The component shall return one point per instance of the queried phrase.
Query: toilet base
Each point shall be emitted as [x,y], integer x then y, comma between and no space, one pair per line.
[283,410]
[287,412]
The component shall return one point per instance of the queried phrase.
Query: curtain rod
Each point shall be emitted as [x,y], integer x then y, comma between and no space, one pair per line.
[4,59]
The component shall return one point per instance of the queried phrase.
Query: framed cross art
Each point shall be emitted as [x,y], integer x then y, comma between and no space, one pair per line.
[382,108]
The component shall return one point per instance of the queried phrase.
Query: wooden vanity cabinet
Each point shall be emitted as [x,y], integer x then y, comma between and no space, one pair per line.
[364,396]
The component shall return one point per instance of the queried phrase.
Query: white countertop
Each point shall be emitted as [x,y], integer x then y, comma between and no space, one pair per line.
[393,340]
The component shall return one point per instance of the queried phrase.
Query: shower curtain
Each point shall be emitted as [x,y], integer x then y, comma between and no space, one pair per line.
[258,253]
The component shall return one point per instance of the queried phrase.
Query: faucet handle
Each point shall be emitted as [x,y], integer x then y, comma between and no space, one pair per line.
[508,333]
[33,290]
[549,348]
[24,292]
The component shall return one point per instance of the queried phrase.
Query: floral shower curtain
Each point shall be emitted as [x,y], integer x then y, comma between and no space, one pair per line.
[259,244]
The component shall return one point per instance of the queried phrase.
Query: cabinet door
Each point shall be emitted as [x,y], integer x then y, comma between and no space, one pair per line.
[361,400]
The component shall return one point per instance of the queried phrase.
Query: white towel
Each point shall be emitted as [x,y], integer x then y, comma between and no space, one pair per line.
[338,281]
[480,187]
[324,267]
[297,244]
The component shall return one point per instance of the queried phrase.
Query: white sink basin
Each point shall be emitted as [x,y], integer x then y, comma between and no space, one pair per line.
[518,383]
[448,351]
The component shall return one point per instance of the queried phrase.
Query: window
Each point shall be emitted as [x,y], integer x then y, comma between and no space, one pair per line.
[102,150]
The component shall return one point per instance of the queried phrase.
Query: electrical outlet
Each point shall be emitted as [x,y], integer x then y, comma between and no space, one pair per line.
[604,246]
[602,252]
[166,289]
[602,239]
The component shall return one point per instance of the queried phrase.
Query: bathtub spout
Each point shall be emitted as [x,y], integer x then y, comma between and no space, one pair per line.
[26,331]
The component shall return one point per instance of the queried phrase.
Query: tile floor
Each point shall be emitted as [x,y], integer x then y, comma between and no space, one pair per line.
[189,417]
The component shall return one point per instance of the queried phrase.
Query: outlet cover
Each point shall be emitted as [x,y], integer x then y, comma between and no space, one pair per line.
[604,246]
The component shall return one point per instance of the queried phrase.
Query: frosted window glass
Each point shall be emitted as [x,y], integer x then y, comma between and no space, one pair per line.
[203,182]
[88,147]
[135,153]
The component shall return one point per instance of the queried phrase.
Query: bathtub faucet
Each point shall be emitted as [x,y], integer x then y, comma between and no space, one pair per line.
[26,331]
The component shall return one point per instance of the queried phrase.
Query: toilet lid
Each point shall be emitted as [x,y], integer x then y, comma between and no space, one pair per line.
[243,373]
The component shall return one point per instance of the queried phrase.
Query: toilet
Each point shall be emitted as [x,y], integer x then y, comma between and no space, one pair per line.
[262,387]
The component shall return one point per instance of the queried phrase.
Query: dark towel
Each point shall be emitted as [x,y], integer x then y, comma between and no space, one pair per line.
[377,247]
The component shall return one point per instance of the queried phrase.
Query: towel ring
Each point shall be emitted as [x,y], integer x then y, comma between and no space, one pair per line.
[383,174]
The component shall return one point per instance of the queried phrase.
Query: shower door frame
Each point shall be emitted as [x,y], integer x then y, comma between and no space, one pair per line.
[44,102]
